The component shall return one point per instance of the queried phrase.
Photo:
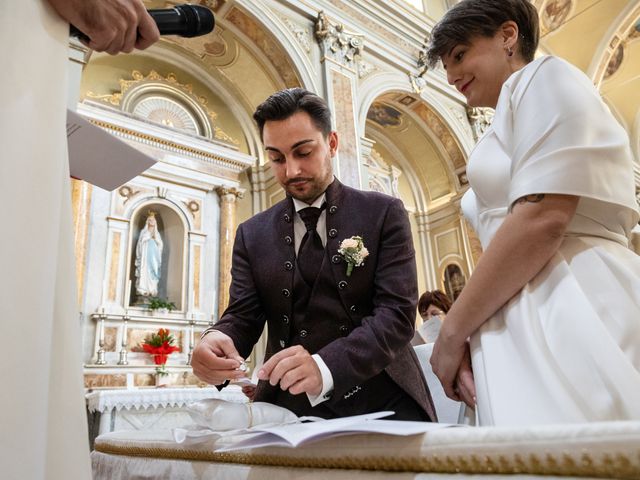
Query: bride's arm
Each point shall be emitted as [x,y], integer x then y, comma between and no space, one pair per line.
[529,236]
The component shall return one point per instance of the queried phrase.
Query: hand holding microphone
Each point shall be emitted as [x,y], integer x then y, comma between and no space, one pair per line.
[115,26]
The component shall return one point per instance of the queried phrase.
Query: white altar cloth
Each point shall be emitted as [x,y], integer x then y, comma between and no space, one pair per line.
[148,408]
[105,400]
[604,450]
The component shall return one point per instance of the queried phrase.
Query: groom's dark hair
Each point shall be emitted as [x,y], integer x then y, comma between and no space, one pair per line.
[281,105]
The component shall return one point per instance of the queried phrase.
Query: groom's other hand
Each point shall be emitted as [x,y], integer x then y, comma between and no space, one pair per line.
[295,370]
[216,360]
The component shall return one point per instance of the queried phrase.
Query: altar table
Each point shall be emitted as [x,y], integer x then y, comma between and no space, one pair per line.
[596,450]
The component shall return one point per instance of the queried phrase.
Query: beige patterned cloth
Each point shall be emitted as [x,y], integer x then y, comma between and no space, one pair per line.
[606,450]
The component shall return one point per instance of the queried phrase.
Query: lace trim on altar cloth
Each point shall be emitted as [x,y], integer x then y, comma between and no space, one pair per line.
[102,401]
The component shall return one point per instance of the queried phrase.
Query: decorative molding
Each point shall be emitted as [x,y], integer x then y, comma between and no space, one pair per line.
[386,116]
[554,13]
[365,69]
[441,131]
[382,176]
[133,91]
[214,5]
[303,35]
[418,81]
[127,192]
[352,12]
[337,43]
[193,206]
[270,47]
[462,178]
[480,119]
[220,159]
[612,53]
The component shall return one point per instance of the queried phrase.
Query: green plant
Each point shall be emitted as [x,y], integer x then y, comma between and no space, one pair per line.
[156,303]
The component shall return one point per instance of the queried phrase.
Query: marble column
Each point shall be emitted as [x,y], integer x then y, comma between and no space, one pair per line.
[78,56]
[340,53]
[228,223]
[81,206]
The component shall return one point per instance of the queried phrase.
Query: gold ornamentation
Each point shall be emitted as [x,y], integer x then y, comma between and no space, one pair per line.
[620,466]
[193,206]
[127,192]
[171,80]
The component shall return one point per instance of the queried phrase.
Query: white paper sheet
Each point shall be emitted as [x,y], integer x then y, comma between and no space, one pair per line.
[99,158]
[294,435]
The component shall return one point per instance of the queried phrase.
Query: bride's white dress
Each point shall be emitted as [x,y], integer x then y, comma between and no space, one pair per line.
[567,347]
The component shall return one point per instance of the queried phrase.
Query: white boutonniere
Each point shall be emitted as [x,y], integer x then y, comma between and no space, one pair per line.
[354,252]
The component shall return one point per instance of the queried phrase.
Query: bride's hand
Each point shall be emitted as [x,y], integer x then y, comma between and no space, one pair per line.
[446,359]
[465,385]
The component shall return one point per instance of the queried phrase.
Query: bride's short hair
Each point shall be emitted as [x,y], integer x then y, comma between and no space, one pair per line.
[472,18]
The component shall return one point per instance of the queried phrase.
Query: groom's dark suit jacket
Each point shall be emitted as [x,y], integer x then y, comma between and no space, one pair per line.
[361,325]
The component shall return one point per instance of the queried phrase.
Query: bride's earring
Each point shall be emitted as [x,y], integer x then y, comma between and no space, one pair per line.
[509,51]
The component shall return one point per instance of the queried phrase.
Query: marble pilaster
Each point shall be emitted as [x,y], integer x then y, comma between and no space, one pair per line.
[228,224]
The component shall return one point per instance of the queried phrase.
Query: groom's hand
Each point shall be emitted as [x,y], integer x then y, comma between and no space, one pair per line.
[216,359]
[295,370]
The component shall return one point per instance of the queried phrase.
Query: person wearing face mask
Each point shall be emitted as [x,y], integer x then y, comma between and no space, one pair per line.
[432,307]
[552,309]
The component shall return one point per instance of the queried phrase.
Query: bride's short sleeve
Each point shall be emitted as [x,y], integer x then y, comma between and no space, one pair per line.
[562,138]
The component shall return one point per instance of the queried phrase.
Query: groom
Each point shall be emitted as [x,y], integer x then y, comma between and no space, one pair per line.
[339,342]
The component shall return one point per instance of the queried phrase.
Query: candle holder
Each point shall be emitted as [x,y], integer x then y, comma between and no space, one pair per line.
[122,360]
[192,324]
[100,360]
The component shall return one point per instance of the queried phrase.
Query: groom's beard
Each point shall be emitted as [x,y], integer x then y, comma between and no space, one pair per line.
[312,187]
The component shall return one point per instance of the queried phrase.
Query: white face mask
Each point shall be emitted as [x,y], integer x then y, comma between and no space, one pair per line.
[435,318]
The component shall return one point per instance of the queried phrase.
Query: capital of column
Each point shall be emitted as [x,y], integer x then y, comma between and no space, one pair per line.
[230,194]
[338,44]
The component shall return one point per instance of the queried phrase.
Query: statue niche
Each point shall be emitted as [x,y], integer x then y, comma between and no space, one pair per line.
[148,261]
[156,255]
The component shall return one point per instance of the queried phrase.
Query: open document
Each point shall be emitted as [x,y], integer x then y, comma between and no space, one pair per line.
[297,434]
[99,158]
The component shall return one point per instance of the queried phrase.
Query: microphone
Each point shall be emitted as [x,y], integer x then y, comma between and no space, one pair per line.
[182,20]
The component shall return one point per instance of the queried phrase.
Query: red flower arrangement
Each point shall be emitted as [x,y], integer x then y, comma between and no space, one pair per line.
[160,345]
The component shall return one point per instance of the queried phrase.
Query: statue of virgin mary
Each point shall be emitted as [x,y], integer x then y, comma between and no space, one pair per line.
[148,258]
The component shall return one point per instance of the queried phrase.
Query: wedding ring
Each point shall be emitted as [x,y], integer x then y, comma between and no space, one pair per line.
[243,367]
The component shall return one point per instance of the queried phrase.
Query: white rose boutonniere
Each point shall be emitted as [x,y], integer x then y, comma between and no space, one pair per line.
[354,252]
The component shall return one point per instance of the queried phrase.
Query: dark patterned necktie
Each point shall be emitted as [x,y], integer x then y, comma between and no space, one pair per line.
[311,251]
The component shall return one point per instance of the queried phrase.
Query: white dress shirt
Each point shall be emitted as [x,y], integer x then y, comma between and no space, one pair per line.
[299,229]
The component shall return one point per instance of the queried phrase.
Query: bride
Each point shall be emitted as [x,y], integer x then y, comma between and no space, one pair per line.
[552,309]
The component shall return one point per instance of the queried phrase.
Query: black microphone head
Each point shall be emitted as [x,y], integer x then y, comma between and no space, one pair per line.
[199,20]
